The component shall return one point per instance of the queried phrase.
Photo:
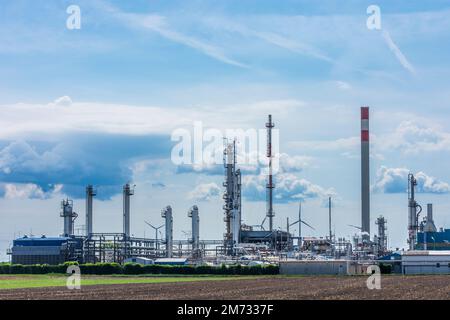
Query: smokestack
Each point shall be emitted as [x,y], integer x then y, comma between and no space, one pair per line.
[429,226]
[365,174]
[167,214]
[329,218]
[127,193]
[90,193]
[270,185]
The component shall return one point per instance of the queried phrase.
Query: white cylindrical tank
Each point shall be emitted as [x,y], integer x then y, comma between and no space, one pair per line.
[69,217]
[127,193]
[193,214]
[167,214]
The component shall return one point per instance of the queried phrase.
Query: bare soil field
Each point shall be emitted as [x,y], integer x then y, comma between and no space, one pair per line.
[274,288]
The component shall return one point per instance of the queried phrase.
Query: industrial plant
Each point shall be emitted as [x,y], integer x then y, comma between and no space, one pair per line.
[429,248]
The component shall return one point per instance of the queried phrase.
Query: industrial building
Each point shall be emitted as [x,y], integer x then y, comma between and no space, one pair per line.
[426,262]
[46,250]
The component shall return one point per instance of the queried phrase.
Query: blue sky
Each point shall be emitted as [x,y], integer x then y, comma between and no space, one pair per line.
[98,105]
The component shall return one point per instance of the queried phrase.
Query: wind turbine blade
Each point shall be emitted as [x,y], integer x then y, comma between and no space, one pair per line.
[306,224]
[149,224]
[262,223]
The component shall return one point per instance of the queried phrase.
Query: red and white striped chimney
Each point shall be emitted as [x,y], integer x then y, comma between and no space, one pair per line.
[365,173]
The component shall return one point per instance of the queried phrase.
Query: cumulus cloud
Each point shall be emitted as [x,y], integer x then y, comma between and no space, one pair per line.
[294,163]
[64,101]
[77,162]
[28,191]
[395,180]
[289,188]
[349,143]
[287,164]
[412,138]
[205,192]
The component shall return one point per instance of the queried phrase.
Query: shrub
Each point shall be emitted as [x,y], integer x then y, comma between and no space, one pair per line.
[385,268]
[135,269]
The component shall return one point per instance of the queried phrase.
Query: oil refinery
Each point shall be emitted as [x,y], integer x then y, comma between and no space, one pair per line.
[249,245]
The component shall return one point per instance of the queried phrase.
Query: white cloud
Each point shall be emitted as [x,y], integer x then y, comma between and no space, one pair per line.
[413,138]
[395,180]
[64,101]
[19,120]
[289,188]
[398,54]
[294,163]
[250,164]
[273,38]
[205,192]
[158,23]
[20,157]
[28,191]
[340,144]
[343,85]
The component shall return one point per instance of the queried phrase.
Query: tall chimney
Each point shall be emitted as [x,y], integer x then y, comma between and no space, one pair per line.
[429,226]
[90,193]
[270,185]
[127,193]
[365,174]
[329,218]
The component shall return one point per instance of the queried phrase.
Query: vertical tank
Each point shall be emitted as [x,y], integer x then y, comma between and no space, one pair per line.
[69,217]
[232,199]
[236,222]
[382,236]
[167,215]
[193,214]
[127,193]
[90,193]
[414,210]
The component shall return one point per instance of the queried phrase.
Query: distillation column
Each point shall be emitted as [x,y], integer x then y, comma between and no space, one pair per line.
[69,217]
[382,237]
[167,215]
[90,193]
[414,210]
[193,214]
[236,213]
[127,193]
[232,199]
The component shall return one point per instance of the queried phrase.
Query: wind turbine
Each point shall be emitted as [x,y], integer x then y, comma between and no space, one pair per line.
[300,221]
[261,226]
[156,232]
